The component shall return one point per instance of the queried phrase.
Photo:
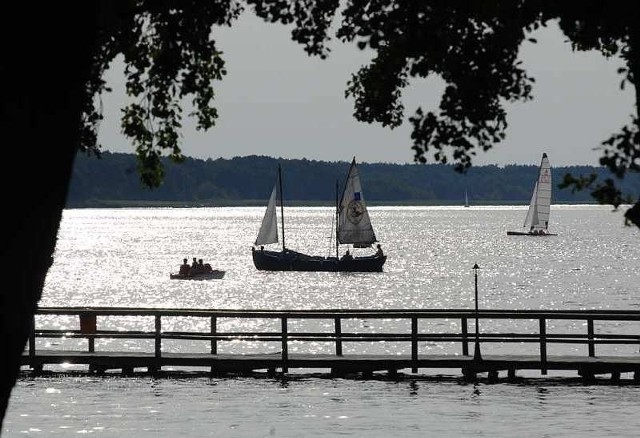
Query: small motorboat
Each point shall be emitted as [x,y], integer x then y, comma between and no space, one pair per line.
[208,275]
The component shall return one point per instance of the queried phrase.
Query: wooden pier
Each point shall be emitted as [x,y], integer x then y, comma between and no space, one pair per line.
[336,341]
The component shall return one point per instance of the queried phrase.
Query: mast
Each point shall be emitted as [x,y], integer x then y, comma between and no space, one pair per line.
[281,204]
[337,219]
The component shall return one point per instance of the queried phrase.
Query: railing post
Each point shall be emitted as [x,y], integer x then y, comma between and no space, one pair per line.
[465,337]
[414,344]
[214,330]
[285,348]
[32,339]
[88,328]
[338,329]
[592,346]
[158,336]
[543,346]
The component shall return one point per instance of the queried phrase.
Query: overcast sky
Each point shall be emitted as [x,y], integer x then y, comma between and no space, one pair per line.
[278,101]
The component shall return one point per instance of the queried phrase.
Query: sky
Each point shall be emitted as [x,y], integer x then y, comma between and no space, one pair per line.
[278,101]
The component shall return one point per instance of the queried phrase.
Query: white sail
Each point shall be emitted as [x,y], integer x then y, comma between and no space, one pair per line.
[269,228]
[354,224]
[532,214]
[540,206]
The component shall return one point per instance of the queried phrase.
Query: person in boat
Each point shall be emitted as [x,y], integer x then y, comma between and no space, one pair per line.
[204,267]
[195,267]
[379,252]
[184,268]
[347,256]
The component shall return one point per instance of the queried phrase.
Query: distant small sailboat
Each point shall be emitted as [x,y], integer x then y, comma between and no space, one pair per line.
[537,221]
[466,199]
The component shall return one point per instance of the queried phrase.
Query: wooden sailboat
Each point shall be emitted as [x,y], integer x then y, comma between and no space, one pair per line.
[353,226]
[537,221]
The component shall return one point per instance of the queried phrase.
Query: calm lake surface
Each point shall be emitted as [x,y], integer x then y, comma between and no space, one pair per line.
[123,257]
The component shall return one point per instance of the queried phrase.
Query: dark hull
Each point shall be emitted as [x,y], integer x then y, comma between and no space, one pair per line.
[213,275]
[520,233]
[295,261]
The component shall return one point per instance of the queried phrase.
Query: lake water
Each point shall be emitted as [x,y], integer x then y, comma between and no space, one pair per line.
[123,257]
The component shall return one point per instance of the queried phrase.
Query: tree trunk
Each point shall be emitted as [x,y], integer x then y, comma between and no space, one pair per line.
[46,58]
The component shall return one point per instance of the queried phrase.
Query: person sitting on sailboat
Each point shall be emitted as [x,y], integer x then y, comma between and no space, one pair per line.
[379,252]
[347,256]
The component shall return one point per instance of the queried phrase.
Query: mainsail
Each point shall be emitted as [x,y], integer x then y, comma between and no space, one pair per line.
[269,228]
[354,225]
[540,206]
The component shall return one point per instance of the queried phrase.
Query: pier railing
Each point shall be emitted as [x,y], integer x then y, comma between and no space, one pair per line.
[90,324]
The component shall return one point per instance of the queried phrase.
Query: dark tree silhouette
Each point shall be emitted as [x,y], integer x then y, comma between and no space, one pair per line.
[473,46]
[54,56]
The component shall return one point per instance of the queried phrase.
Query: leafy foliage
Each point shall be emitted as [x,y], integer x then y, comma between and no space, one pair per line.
[169,57]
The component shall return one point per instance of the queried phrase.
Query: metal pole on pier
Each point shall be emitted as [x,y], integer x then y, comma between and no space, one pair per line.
[476,352]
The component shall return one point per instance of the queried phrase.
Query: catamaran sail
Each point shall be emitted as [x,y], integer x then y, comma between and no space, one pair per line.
[537,220]
[353,226]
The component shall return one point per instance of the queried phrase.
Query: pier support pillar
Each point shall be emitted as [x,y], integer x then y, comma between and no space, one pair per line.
[511,374]
[587,376]
[469,375]
[493,376]
[615,377]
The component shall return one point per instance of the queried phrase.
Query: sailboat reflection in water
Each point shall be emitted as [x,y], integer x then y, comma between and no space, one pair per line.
[353,226]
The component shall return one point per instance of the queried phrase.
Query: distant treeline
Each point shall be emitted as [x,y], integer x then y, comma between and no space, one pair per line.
[112,181]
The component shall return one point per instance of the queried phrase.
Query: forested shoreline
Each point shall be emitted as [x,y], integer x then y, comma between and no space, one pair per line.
[112,181]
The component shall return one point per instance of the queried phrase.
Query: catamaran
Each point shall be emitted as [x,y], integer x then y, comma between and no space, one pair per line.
[353,226]
[537,221]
